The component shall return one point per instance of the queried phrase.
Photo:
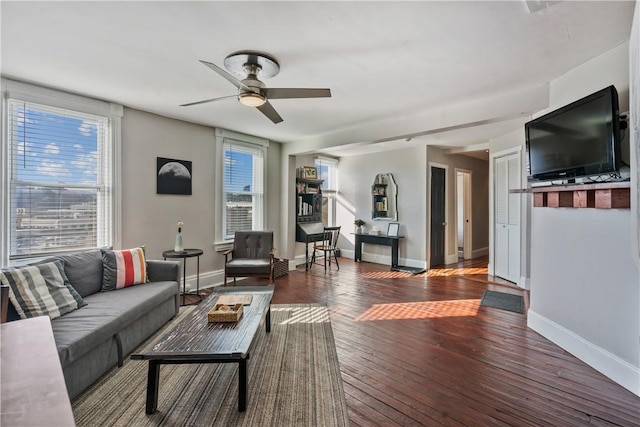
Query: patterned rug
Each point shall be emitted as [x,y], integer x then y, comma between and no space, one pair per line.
[294,380]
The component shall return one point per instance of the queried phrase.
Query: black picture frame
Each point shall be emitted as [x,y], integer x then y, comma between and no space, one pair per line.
[173,176]
[394,229]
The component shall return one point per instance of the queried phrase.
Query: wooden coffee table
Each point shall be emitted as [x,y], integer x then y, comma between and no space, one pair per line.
[195,340]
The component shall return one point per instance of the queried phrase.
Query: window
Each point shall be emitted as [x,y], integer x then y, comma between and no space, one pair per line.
[242,195]
[328,171]
[58,169]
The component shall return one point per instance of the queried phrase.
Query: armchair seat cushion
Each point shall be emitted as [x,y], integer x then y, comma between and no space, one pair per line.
[240,266]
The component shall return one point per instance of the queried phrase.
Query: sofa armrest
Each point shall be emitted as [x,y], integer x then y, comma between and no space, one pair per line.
[159,271]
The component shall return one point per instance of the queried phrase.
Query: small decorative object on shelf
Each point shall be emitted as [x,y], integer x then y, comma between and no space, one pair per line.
[309,199]
[179,247]
[359,223]
[307,172]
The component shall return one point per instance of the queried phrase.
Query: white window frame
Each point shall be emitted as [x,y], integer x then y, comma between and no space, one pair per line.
[222,243]
[54,98]
[330,192]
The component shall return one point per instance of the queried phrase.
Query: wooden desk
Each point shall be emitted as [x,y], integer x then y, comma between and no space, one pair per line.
[377,240]
[33,391]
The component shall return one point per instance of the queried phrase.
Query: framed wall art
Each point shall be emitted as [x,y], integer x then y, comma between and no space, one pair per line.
[310,172]
[173,176]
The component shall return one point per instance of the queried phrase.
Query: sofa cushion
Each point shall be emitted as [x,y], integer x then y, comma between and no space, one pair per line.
[105,315]
[239,266]
[41,290]
[123,268]
[84,270]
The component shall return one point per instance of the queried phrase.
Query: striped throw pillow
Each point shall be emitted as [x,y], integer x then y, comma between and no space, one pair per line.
[41,290]
[124,268]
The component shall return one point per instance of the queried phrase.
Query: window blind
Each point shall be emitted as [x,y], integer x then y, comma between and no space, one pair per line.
[243,187]
[328,171]
[60,176]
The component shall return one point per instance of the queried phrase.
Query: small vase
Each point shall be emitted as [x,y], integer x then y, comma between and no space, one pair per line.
[359,229]
[178,247]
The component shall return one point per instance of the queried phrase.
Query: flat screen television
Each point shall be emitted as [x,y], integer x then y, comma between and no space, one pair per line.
[578,140]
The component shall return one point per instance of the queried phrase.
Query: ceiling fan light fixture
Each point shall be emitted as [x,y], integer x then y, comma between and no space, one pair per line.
[251,99]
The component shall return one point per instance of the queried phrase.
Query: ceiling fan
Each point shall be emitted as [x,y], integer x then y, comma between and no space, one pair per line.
[251,91]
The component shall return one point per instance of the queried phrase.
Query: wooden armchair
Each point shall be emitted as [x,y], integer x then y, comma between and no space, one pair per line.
[252,255]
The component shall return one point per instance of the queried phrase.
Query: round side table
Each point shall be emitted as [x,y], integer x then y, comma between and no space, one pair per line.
[187,253]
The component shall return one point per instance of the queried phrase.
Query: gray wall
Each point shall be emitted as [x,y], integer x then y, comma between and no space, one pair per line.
[149,218]
[585,285]
[356,175]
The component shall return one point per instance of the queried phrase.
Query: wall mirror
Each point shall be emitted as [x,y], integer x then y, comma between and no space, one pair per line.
[384,195]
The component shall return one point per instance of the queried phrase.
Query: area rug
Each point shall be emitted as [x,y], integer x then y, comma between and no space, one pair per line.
[294,380]
[503,301]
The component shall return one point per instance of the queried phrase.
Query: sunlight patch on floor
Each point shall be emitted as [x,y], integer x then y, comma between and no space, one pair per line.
[304,314]
[435,272]
[385,274]
[421,310]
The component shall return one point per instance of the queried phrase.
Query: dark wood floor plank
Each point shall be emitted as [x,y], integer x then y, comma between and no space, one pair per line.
[419,350]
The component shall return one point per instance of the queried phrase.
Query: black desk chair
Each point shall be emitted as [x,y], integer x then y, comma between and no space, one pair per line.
[328,246]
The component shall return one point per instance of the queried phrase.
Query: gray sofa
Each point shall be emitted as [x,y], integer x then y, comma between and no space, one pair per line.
[100,334]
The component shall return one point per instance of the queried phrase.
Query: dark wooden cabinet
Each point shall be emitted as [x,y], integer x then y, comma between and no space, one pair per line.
[309,226]
[308,200]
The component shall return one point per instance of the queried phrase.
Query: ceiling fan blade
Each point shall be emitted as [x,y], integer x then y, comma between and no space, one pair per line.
[287,92]
[268,110]
[208,100]
[237,83]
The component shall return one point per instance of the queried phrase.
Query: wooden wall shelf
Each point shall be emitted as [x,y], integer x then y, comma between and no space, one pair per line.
[609,195]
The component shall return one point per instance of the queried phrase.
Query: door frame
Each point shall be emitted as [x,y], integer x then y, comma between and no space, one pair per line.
[432,165]
[466,211]
[492,215]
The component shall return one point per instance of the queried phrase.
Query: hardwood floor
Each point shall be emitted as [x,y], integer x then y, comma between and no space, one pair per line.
[420,350]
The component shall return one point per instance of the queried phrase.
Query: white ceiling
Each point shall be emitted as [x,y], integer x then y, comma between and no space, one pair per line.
[383,61]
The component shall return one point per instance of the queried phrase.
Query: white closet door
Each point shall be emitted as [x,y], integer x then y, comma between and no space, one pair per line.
[507,217]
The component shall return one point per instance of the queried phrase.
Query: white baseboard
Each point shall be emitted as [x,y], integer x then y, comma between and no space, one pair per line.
[451,259]
[619,370]
[208,279]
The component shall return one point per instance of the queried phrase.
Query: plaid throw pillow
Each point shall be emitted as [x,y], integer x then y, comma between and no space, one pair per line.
[41,290]
[124,268]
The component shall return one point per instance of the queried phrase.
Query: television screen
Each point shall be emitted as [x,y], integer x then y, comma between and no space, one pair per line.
[579,139]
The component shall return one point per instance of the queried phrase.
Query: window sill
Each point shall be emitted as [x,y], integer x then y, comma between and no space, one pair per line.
[223,246]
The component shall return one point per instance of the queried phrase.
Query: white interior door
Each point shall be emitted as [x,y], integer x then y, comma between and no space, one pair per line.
[463,213]
[507,217]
